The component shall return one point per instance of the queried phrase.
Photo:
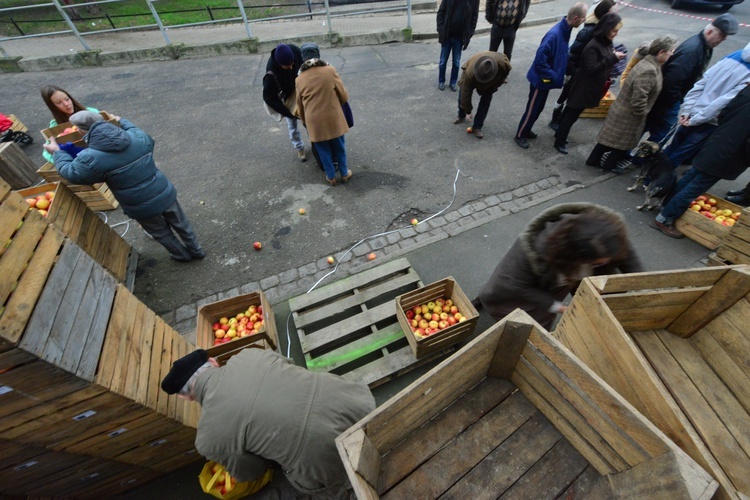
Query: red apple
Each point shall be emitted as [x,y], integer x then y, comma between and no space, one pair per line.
[433,324]
[257,245]
[31,202]
[443,324]
[424,324]
[216,326]
[451,320]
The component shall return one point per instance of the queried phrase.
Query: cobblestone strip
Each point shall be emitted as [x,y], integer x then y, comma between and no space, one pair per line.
[297,281]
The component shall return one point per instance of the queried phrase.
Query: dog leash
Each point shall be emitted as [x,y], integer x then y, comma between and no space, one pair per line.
[669,135]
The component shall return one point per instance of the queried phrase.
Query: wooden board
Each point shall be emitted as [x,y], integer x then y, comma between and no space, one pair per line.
[350,327]
[16,168]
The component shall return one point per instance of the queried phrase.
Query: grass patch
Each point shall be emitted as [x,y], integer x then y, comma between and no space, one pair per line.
[135,13]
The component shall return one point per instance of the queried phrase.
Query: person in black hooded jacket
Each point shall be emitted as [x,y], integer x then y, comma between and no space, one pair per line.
[588,86]
[279,87]
[456,22]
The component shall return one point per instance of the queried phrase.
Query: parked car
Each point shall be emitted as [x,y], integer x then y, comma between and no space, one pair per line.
[722,4]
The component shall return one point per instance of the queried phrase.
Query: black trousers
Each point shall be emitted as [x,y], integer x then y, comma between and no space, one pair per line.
[504,34]
[615,155]
[568,118]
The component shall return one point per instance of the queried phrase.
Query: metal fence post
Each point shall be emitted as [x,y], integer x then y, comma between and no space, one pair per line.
[70,24]
[408,14]
[158,20]
[328,16]
[244,18]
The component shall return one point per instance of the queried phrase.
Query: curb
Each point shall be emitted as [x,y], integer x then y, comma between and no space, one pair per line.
[297,281]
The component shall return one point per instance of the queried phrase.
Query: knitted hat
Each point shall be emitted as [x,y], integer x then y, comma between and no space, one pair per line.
[726,23]
[85,119]
[485,69]
[182,370]
[283,55]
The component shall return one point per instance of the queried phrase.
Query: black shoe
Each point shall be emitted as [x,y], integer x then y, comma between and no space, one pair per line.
[561,149]
[737,192]
[454,88]
[441,86]
[522,142]
[181,258]
[531,135]
[743,199]
[198,255]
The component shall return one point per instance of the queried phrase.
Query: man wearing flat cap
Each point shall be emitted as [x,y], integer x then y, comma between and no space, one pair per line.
[483,72]
[685,67]
[261,408]
[123,157]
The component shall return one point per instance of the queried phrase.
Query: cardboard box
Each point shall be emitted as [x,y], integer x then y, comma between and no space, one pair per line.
[514,414]
[266,338]
[675,345]
[701,229]
[445,288]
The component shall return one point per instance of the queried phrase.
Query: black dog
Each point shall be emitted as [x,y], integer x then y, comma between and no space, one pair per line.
[657,176]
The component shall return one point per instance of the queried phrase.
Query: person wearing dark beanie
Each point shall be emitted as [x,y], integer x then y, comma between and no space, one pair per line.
[279,91]
[260,409]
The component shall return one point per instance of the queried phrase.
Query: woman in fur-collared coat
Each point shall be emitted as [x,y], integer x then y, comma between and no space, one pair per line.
[626,119]
[320,94]
[558,248]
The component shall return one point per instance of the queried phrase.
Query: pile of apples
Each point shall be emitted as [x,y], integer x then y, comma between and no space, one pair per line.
[238,326]
[224,483]
[428,319]
[707,207]
[41,203]
[67,131]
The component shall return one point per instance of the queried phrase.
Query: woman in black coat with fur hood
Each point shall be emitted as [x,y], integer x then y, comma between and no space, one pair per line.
[588,85]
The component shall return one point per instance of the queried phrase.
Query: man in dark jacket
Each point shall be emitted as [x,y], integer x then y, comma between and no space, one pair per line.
[505,17]
[548,70]
[726,155]
[261,408]
[123,157]
[456,22]
[483,72]
[682,70]
[279,90]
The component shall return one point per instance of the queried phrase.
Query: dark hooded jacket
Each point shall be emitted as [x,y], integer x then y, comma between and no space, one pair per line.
[597,59]
[524,279]
[123,158]
[465,12]
[283,81]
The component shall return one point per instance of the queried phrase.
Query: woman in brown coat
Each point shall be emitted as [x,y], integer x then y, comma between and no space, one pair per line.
[626,119]
[320,94]
[587,88]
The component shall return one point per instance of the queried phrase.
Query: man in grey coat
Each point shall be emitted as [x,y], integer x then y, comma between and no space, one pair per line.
[123,157]
[260,408]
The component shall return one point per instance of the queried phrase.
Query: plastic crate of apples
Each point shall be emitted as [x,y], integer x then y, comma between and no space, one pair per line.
[707,207]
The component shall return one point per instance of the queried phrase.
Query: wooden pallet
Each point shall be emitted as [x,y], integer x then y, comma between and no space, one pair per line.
[601,110]
[350,327]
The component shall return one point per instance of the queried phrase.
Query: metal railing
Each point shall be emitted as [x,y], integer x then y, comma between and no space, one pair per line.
[243,18]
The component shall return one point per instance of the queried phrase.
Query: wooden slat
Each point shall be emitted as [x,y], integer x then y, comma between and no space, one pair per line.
[94,344]
[113,437]
[15,258]
[729,289]
[722,363]
[462,453]
[590,485]
[112,338]
[12,211]
[146,351]
[670,279]
[45,314]
[133,364]
[162,405]
[512,343]
[393,365]
[364,457]
[154,371]
[327,292]
[121,362]
[427,440]
[342,330]
[712,431]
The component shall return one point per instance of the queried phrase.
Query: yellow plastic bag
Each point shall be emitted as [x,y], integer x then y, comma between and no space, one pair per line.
[216,481]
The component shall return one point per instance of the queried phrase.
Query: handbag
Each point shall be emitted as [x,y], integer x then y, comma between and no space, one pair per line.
[347,109]
[289,101]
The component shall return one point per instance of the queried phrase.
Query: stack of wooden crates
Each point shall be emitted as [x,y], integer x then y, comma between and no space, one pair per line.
[81,358]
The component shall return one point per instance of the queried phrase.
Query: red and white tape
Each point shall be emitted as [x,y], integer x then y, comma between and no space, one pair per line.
[672,13]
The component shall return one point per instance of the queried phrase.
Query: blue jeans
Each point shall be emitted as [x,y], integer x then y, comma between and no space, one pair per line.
[294,134]
[659,124]
[482,108]
[687,141]
[534,107]
[452,45]
[693,184]
[338,146]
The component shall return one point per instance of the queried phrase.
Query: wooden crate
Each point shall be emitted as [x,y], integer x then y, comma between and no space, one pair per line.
[53,132]
[676,345]
[350,327]
[73,217]
[735,246]
[446,288]
[601,110]
[703,230]
[210,314]
[514,415]
[16,168]
[96,197]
